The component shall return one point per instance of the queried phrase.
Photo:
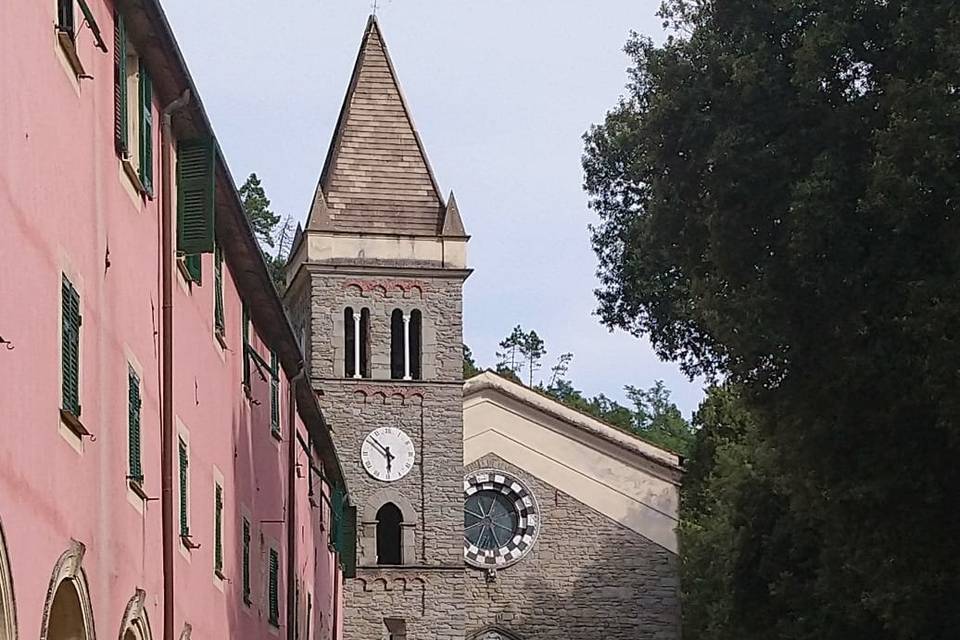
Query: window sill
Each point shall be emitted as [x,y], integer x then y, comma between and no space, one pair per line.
[221,337]
[246,600]
[188,542]
[133,174]
[276,434]
[137,487]
[73,423]
[69,48]
[219,574]
[184,273]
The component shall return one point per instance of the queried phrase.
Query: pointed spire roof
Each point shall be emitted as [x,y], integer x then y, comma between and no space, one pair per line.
[377,178]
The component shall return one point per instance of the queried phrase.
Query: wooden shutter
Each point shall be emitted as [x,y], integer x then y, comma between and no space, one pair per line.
[218,530]
[120,85]
[245,322]
[195,195]
[194,266]
[274,393]
[184,525]
[146,129]
[133,425]
[70,363]
[274,587]
[218,289]
[246,562]
[348,552]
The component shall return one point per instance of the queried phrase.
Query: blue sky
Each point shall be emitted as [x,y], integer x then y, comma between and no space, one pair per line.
[501,93]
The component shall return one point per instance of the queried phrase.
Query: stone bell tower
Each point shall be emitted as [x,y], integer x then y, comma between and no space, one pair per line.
[376,294]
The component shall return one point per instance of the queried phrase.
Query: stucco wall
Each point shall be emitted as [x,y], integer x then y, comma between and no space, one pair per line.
[587,577]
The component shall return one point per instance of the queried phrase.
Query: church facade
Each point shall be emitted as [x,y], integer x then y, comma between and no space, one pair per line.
[482,511]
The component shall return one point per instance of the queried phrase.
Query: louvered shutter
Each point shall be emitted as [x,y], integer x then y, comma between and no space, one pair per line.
[246,561]
[70,365]
[218,530]
[194,266]
[348,551]
[120,85]
[133,425]
[146,129]
[195,196]
[218,289]
[274,393]
[184,525]
[274,587]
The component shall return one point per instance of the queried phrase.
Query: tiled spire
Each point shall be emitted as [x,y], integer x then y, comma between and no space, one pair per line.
[377,178]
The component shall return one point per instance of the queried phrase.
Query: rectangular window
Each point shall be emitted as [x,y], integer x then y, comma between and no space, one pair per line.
[70,348]
[184,489]
[218,291]
[274,394]
[245,324]
[218,530]
[65,18]
[146,129]
[120,85]
[273,588]
[133,426]
[245,577]
[196,160]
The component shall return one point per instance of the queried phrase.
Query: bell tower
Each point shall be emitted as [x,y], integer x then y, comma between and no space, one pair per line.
[376,294]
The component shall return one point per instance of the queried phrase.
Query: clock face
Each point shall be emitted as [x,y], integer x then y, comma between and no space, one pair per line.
[387,454]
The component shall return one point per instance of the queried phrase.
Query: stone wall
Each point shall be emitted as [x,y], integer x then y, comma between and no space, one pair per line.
[586,578]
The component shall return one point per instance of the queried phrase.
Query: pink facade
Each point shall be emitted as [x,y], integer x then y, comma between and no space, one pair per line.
[70,515]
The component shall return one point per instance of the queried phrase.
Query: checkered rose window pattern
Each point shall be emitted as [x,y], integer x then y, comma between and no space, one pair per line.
[500,519]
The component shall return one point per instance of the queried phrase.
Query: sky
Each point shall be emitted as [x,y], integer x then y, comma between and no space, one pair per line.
[501,94]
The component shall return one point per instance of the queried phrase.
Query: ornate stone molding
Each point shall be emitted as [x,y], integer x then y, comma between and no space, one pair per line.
[69,569]
[389,287]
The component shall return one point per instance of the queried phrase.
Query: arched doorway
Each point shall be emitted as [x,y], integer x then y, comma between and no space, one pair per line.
[8,610]
[67,614]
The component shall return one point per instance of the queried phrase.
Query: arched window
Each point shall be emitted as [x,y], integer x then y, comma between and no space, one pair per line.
[405,343]
[356,352]
[8,618]
[66,614]
[389,537]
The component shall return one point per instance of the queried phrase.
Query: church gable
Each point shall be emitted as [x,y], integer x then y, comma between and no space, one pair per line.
[377,178]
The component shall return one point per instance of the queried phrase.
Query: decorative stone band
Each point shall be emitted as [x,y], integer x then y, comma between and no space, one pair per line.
[528,519]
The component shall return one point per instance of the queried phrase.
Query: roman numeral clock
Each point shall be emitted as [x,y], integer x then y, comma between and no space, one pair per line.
[387,454]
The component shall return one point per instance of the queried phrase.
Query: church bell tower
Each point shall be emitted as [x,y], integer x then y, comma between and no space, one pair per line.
[376,294]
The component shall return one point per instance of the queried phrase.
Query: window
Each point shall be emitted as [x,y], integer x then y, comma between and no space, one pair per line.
[245,577]
[184,488]
[218,292]
[132,122]
[389,536]
[135,474]
[65,18]
[70,348]
[396,628]
[273,588]
[245,328]
[405,337]
[218,530]
[274,394]
[356,351]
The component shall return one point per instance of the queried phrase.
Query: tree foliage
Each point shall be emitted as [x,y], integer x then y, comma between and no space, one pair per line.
[777,195]
[267,229]
[470,368]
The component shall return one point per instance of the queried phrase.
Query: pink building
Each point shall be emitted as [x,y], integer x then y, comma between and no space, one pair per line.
[165,469]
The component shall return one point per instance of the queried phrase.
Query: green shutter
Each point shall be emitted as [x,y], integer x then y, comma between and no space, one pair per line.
[194,266]
[274,393]
[218,289]
[348,550]
[245,322]
[65,21]
[70,364]
[184,525]
[146,129]
[246,561]
[218,530]
[195,195]
[336,517]
[133,425]
[120,84]
[274,588]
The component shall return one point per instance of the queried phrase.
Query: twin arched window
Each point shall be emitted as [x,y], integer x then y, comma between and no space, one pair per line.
[405,338]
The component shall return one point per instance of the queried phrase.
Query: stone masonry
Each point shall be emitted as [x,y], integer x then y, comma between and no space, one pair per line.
[586,578]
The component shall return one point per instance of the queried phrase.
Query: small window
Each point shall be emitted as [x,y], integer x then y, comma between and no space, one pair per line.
[135,473]
[274,394]
[416,322]
[245,337]
[273,588]
[356,353]
[218,530]
[245,569]
[397,363]
[184,489]
[405,341]
[389,542]
[396,628]
[218,322]
[133,123]
[66,22]
[70,348]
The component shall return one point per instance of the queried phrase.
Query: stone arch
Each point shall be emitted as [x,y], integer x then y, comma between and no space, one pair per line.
[135,624]
[67,612]
[493,633]
[369,521]
[8,605]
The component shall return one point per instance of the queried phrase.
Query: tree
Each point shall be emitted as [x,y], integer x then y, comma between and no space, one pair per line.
[658,419]
[510,358]
[532,349]
[470,368]
[257,207]
[778,202]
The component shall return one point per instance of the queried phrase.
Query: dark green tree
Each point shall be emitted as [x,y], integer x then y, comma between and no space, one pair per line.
[532,349]
[658,419]
[257,207]
[778,202]
[470,368]
[510,357]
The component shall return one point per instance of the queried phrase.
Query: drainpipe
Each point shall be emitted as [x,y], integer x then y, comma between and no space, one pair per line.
[292,603]
[166,336]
